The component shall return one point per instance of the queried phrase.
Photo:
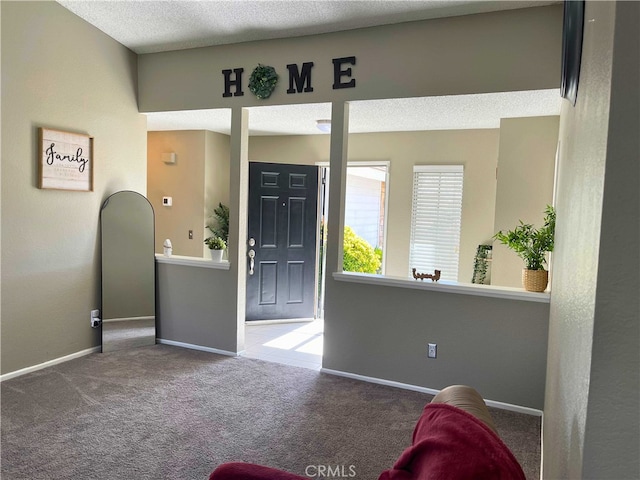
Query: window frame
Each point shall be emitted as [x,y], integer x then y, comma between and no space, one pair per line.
[441,260]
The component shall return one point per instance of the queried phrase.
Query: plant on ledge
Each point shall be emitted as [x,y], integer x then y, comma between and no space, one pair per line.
[216,247]
[221,226]
[532,245]
[481,264]
[215,243]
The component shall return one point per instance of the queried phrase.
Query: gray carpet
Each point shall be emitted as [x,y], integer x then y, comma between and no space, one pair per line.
[164,412]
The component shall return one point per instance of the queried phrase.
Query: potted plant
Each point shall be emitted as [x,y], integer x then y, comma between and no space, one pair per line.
[532,246]
[220,226]
[216,246]
[481,264]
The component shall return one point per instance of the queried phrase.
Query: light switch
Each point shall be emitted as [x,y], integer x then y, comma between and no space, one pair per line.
[167,201]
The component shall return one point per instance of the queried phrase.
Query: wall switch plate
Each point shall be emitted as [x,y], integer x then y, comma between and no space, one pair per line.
[167,201]
[432,351]
[169,158]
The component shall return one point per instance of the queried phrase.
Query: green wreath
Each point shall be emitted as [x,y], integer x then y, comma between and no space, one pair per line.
[262,81]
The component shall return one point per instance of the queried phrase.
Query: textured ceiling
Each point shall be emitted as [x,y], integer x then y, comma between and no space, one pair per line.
[407,114]
[155,26]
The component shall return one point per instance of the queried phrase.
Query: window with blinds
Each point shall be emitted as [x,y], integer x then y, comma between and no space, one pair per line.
[435,219]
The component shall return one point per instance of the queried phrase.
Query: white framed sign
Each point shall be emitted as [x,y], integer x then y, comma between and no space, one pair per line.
[65,161]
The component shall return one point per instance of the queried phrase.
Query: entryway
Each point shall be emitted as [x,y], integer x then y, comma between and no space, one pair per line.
[298,343]
[281,244]
[282,324]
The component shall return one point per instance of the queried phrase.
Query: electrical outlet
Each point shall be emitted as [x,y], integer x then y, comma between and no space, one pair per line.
[432,351]
[95,319]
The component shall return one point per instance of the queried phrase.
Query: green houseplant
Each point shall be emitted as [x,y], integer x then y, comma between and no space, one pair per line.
[481,264]
[220,226]
[532,245]
[216,244]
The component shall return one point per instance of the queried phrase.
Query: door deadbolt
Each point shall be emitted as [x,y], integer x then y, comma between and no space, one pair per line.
[252,242]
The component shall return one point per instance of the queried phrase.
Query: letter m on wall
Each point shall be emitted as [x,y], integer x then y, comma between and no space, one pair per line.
[298,80]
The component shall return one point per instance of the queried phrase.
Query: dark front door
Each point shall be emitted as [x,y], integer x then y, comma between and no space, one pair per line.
[282,226]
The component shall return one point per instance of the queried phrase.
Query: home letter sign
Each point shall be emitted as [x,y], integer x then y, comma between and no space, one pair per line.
[338,73]
[300,79]
[228,83]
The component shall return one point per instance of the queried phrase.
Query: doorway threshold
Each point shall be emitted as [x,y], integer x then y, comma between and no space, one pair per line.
[278,321]
[299,344]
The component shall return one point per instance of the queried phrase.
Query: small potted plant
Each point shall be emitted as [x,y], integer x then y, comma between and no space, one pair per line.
[532,245]
[220,225]
[216,246]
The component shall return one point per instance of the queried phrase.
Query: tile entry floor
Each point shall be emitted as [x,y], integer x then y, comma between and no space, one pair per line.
[298,344]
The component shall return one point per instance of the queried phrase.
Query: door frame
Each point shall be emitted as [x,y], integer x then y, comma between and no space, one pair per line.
[316,310]
[324,174]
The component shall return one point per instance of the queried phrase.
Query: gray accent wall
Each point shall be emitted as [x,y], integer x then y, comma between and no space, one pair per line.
[498,346]
[494,52]
[592,404]
[59,72]
[195,306]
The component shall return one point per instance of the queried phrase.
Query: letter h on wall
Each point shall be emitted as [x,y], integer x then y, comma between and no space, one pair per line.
[237,82]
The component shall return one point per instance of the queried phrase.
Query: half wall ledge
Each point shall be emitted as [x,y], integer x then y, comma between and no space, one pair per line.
[444,286]
[192,261]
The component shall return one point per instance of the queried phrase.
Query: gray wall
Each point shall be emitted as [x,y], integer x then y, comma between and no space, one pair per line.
[59,72]
[592,399]
[526,168]
[494,52]
[499,346]
[194,307]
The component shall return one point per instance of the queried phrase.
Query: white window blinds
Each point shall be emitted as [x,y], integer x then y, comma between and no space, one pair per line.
[435,219]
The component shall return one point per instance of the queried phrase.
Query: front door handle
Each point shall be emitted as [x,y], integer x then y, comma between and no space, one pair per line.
[252,255]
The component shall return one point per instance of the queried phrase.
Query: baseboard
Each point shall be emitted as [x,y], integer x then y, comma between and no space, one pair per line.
[127,319]
[50,363]
[429,391]
[191,346]
[514,408]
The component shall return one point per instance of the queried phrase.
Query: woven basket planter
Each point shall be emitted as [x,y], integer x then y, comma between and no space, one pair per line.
[535,280]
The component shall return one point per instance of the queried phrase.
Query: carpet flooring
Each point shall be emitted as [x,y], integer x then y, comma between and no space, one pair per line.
[163,412]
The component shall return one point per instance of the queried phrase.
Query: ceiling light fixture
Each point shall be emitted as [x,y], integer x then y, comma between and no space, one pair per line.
[324,125]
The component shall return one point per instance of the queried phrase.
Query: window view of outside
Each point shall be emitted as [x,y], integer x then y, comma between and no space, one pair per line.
[364,219]
[364,230]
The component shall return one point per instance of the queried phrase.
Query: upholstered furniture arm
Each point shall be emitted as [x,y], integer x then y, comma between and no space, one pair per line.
[467,399]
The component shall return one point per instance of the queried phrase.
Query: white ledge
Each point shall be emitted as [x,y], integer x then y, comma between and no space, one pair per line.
[192,261]
[444,286]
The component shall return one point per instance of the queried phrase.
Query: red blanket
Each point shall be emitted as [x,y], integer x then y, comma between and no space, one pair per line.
[451,444]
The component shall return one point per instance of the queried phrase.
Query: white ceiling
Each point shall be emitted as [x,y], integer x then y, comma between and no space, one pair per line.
[155,26]
[392,115]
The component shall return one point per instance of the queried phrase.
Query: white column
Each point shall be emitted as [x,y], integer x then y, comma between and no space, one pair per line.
[337,185]
[238,198]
